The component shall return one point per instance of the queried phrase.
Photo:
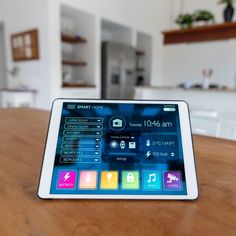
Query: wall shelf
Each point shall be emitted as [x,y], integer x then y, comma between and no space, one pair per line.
[201,34]
[74,63]
[140,53]
[78,44]
[77,85]
[72,39]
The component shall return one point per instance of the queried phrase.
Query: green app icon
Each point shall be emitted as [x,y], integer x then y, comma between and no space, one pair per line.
[130,180]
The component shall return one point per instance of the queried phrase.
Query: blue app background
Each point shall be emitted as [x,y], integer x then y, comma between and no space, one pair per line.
[152,138]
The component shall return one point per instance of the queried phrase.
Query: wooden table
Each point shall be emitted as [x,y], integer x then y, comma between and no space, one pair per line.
[22,135]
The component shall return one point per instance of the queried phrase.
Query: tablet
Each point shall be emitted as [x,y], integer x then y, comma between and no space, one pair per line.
[116,149]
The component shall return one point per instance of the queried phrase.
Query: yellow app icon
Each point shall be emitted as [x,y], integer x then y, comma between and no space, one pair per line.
[109,180]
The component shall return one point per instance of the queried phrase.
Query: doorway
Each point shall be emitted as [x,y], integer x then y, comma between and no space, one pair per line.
[2,57]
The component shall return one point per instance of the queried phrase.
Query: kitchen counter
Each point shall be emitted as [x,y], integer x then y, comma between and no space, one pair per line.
[227,90]
[220,102]
[18,90]
[215,99]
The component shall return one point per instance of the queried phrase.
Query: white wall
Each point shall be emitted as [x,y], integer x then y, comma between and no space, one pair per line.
[170,65]
[145,42]
[21,16]
[147,17]
[2,58]
[116,33]
[185,62]
[44,75]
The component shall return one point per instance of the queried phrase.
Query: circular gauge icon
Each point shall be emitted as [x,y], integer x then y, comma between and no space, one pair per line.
[114,144]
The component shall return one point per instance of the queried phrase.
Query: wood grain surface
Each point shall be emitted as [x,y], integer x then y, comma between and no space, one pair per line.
[22,136]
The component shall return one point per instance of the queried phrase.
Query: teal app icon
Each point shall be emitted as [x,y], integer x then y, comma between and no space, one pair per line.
[151,180]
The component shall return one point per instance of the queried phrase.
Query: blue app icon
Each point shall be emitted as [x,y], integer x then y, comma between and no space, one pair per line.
[151,180]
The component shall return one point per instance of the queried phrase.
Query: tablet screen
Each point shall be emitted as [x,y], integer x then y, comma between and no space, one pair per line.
[121,149]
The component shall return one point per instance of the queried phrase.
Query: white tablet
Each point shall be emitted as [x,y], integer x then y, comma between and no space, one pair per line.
[113,149]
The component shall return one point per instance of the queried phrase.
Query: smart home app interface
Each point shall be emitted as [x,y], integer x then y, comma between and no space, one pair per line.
[121,149]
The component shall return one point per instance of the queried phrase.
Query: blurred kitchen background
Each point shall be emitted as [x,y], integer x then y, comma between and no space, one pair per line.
[122,49]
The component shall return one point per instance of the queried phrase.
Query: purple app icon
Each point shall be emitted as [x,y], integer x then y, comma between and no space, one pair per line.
[66,179]
[172,180]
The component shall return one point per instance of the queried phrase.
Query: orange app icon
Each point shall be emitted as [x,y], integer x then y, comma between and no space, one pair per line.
[88,180]
[109,180]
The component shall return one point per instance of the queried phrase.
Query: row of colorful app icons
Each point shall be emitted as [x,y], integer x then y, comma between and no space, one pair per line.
[87,180]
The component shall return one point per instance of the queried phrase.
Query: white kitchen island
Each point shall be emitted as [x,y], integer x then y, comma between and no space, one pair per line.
[213,111]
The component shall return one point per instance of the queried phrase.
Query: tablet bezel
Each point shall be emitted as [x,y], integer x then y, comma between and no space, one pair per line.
[51,143]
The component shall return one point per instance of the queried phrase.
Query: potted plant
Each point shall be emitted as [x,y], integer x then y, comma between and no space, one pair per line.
[185,21]
[14,74]
[203,16]
[229,10]
[15,71]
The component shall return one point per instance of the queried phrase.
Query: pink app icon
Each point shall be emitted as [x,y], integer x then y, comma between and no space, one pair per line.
[88,180]
[66,179]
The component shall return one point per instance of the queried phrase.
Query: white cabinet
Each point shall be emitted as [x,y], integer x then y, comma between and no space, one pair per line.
[17,98]
[85,93]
